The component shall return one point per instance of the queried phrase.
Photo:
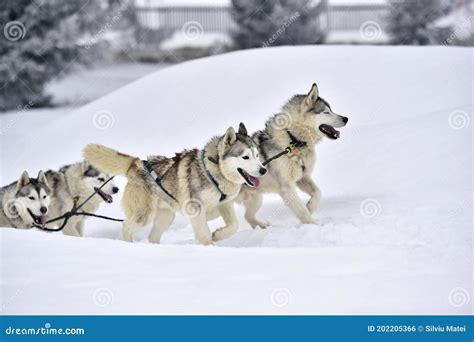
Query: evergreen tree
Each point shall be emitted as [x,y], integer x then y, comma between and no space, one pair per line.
[299,20]
[275,22]
[254,22]
[410,21]
[40,39]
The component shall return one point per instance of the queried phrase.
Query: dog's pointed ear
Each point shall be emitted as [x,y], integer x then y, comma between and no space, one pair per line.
[229,137]
[242,129]
[24,179]
[310,99]
[42,178]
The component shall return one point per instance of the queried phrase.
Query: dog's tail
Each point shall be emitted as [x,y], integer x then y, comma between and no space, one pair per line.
[108,160]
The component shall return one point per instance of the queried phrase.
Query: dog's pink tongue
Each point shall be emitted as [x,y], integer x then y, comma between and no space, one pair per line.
[255,181]
[43,219]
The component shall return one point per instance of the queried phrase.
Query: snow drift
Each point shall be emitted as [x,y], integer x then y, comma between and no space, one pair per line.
[394,226]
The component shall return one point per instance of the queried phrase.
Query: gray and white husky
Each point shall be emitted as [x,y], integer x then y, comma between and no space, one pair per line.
[25,202]
[79,181]
[304,121]
[194,182]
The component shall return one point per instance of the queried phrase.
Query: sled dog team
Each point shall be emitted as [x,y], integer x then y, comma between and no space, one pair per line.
[200,183]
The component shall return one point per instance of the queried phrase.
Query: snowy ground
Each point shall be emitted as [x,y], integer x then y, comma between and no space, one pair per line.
[395,225]
[86,85]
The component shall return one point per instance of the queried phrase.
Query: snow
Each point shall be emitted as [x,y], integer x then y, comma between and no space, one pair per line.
[185,3]
[394,233]
[357,2]
[86,85]
[182,39]
[356,36]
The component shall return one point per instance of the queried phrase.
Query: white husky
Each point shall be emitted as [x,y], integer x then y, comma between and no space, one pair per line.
[77,181]
[304,121]
[25,202]
[195,182]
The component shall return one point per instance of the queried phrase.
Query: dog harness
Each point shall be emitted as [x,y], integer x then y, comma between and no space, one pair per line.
[156,178]
[295,142]
[211,178]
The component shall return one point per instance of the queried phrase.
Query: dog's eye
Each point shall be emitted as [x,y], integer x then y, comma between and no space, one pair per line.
[44,197]
[101,179]
[245,157]
[31,198]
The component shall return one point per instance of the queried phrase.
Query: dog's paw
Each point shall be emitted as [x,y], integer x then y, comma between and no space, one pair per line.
[260,224]
[206,240]
[309,221]
[154,240]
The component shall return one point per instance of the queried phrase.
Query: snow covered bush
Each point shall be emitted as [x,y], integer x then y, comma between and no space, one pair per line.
[263,23]
[37,43]
[298,23]
[40,41]
[457,27]
[254,24]
[410,22]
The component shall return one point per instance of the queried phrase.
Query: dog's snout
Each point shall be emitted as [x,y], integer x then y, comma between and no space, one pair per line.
[115,189]
[43,210]
[345,119]
[263,171]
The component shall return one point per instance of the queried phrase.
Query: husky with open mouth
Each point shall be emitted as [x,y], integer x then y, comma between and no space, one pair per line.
[79,181]
[25,202]
[194,182]
[302,123]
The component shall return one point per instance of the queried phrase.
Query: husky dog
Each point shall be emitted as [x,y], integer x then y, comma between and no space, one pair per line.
[302,122]
[194,182]
[77,181]
[25,202]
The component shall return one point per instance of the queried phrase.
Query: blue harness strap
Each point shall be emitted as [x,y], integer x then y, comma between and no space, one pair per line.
[156,178]
[212,179]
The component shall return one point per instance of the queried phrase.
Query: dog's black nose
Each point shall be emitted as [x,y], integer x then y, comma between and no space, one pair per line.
[263,171]
[115,189]
[345,119]
[43,210]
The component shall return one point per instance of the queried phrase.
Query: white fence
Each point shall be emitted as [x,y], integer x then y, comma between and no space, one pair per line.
[153,19]
[349,18]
